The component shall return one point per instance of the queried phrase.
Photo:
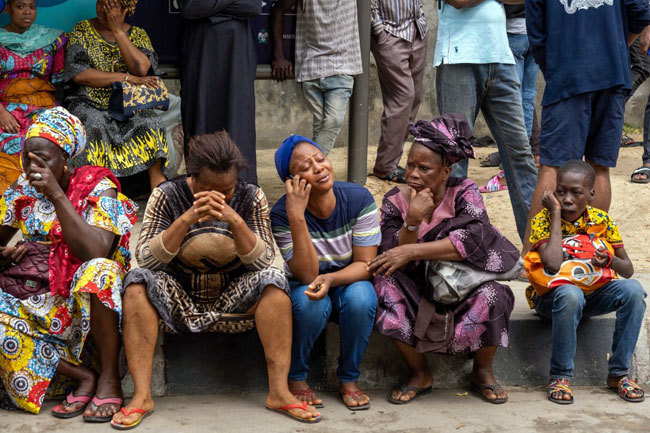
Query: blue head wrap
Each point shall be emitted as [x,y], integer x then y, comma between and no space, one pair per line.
[283,154]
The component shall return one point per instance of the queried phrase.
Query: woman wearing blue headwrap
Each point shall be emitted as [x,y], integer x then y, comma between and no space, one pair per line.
[327,231]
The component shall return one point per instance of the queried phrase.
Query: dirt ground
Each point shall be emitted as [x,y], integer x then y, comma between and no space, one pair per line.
[630,201]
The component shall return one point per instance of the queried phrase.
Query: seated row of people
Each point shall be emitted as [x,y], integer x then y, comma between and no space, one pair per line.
[206,254]
[37,60]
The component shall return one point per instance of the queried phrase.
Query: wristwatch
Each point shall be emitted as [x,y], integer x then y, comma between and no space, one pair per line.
[410,228]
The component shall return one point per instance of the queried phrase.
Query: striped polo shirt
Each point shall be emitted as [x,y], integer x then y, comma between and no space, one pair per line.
[354,221]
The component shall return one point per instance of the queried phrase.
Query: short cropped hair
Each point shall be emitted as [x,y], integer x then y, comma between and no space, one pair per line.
[217,152]
[578,166]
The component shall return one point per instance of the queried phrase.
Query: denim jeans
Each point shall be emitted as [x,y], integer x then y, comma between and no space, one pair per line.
[527,70]
[352,307]
[327,99]
[567,304]
[494,90]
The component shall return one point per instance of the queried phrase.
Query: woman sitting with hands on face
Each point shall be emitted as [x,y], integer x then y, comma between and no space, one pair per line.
[84,222]
[326,231]
[438,218]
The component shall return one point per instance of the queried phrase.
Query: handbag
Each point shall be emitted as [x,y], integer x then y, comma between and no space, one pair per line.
[30,277]
[450,282]
[127,98]
[576,268]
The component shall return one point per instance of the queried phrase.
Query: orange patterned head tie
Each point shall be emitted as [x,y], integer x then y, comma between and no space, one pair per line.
[61,128]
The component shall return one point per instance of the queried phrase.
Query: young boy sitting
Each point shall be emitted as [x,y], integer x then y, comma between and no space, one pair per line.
[566,213]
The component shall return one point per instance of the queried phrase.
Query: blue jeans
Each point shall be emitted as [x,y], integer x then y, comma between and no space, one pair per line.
[567,304]
[527,70]
[494,90]
[352,307]
[327,99]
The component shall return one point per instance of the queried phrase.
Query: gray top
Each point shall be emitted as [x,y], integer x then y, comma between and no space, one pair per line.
[516,26]
[327,39]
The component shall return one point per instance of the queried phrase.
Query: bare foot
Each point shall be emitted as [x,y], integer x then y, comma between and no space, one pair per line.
[276,402]
[422,379]
[486,377]
[352,395]
[107,386]
[301,390]
[137,402]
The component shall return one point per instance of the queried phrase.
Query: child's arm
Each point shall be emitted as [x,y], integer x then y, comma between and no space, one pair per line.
[551,252]
[621,263]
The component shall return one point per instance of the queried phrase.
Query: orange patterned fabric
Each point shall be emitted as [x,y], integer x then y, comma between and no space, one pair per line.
[10,169]
[32,91]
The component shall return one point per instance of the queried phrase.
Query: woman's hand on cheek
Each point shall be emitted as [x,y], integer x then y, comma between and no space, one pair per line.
[421,206]
[297,196]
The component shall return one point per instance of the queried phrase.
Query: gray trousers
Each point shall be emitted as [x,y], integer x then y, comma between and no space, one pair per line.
[400,66]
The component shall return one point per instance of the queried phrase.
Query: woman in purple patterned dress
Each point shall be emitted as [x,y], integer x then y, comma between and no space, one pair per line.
[435,217]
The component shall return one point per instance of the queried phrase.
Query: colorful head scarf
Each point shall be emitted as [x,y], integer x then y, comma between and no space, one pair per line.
[283,154]
[449,135]
[61,128]
[129,5]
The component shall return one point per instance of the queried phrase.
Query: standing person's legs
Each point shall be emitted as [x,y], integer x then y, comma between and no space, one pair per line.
[604,140]
[337,90]
[417,63]
[502,110]
[646,144]
[315,100]
[459,89]
[528,90]
[393,56]
[564,131]
[354,308]
[310,318]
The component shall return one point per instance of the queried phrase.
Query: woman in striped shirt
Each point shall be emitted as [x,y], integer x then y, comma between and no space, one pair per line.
[327,231]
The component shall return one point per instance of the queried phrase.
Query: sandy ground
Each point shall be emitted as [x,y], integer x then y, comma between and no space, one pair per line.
[630,201]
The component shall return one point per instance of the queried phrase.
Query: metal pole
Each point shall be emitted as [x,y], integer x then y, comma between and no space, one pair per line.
[358,124]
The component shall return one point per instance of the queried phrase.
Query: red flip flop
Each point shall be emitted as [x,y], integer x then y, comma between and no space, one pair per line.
[60,412]
[284,410]
[100,402]
[126,412]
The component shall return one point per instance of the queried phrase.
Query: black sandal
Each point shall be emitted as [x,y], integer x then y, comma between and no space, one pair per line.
[484,141]
[492,160]
[479,388]
[641,170]
[398,176]
[419,392]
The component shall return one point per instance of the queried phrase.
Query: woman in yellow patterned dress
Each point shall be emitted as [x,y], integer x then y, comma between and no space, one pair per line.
[86,221]
[101,51]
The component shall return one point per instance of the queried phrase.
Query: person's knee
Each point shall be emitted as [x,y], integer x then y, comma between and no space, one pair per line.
[635,293]
[135,293]
[359,299]
[304,308]
[568,298]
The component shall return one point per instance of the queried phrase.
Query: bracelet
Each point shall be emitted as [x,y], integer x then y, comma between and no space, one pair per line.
[126,79]
[410,228]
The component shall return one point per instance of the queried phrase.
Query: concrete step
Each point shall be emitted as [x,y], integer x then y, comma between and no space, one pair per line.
[208,363]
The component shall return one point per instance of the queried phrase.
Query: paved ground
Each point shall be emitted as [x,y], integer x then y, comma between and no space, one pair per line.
[595,410]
